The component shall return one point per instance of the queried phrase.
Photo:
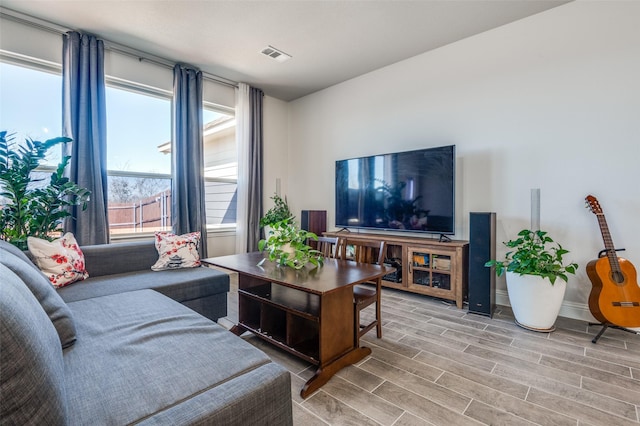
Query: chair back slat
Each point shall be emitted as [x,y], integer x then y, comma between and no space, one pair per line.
[363,251]
[328,246]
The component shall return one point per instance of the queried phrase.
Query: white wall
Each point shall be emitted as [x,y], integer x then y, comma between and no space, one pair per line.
[275,156]
[549,102]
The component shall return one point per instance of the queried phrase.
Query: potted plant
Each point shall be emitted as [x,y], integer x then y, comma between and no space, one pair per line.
[29,206]
[279,212]
[536,278]
[287,246]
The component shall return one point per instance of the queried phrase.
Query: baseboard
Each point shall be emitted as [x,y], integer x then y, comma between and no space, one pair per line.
[573,310]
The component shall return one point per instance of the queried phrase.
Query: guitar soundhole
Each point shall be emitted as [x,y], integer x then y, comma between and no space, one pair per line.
[617,277]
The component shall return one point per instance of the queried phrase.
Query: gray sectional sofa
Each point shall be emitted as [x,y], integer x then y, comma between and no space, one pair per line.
[126,346]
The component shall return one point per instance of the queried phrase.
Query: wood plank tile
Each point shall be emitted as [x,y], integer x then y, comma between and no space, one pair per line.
[431,337]
[302,416]
[422,407]
[490,340]
[617,392]
[504,402]
[410,365]
[621,372]
[335,412]
[362,378]
[375,407]
[582,339]
[582,412]
[425,388]
[408,419]
[614,355]
[395,346]
[554,348]
[580,359]
[491,380]
[532,368]
[491,415]
[431,347]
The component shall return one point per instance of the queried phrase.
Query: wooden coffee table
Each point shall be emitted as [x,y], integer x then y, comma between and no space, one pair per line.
[308,313]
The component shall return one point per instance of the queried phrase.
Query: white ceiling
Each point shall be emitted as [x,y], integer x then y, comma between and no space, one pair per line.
[330,41]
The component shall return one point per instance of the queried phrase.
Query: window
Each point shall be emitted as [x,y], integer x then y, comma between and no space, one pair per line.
[138,161]
[138,145]
[220,167]
[31,105]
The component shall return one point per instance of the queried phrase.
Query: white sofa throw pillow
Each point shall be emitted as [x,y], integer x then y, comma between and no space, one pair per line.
[177,251]
[60,260]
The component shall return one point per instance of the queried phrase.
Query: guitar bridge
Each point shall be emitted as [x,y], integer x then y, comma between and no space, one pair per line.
[626,304]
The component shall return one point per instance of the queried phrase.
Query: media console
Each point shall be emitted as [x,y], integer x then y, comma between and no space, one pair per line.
[428,266]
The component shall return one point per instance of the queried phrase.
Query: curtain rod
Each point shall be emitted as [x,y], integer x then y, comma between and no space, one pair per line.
[42,24]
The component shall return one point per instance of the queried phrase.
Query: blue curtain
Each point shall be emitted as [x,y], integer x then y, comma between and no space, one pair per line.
[84,121]
[188,196]
[254,181]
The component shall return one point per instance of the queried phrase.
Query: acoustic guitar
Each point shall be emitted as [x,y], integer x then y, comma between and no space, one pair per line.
[615,295]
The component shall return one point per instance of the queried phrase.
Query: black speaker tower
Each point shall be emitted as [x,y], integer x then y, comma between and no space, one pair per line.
[482,248]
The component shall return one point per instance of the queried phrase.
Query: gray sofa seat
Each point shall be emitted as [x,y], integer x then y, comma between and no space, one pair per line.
[150,354]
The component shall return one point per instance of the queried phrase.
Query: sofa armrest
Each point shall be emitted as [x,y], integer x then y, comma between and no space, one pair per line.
[119,258]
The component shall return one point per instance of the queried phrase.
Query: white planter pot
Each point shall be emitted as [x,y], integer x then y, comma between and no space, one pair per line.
[534,301]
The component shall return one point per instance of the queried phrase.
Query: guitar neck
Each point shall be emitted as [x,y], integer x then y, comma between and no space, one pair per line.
[608,243]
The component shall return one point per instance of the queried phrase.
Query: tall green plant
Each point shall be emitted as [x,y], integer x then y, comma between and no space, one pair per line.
[29,208]
[279,212]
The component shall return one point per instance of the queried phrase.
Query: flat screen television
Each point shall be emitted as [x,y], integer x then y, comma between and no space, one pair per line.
[411,191]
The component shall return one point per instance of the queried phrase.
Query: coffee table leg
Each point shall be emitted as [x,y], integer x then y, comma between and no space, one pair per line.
[323,374]
[237,329]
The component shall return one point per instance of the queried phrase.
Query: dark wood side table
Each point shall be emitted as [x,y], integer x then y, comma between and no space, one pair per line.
[308,312]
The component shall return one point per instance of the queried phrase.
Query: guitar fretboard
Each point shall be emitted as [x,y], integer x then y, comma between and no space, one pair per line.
[608,244]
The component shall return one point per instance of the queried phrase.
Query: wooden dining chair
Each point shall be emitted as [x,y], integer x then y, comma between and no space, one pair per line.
[363,296]
[328,246]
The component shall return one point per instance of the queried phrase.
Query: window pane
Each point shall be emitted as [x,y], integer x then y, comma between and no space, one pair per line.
[31,106]
[139,161]
[139,204]
[220,168]
[138,127]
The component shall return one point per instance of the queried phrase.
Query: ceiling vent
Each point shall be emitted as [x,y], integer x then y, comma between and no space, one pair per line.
[275,54]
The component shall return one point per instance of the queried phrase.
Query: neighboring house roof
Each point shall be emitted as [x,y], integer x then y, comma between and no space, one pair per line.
[210,128]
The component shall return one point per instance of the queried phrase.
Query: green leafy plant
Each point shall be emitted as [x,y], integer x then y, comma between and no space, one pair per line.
[534,254]
[29,207]
[287,246]
[279,212]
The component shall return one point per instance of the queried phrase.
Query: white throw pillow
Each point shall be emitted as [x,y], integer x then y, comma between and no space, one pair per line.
[60,260]
[177,251]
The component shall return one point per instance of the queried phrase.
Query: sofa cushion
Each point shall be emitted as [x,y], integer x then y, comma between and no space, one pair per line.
[259,397]
[119,258]
[177,251]
[147,353]
[51,302]
[180,285]
[10,248]
[60,260]
[32,387]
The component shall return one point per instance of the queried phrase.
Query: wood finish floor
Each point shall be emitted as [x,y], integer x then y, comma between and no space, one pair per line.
[439,365]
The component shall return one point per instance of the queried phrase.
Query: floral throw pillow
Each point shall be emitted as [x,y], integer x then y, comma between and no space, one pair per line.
[60,260]
[177,251]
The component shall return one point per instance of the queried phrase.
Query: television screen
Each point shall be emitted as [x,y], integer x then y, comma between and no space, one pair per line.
[404,191]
